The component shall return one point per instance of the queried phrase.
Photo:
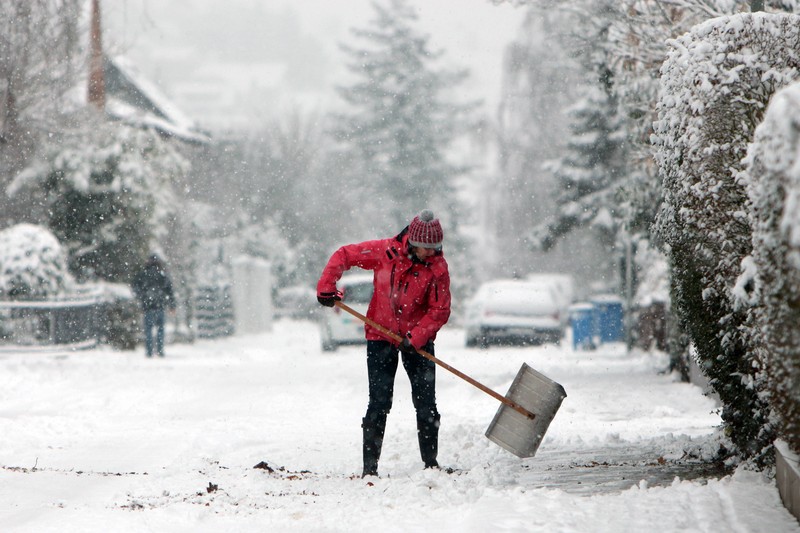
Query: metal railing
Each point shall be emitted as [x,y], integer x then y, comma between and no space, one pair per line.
[64,323]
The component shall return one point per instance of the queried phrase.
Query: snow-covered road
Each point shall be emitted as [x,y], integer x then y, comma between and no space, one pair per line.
[110,441]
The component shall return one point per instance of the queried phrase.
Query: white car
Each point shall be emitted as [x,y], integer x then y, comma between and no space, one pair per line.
[512,311]
[296,301]
[338,327]
[564,286]
[563,283]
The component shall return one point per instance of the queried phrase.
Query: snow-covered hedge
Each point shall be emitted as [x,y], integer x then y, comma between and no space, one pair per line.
[772,178]
[32,263]
[715,86]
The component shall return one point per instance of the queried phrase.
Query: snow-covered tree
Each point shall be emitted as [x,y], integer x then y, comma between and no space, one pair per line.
[402,119]
[107,191]
[771,278]
[591,168]
[601,179]
[293,197]
[716,83]
[39,62]
[33,264]
[538,84]
[279,188]
[603,174]
[268,241]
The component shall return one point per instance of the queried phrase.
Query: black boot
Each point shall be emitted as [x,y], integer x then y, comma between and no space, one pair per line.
[373,441]
[428,435]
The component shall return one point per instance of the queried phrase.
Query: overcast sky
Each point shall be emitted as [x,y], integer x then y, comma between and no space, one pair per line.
[243,60]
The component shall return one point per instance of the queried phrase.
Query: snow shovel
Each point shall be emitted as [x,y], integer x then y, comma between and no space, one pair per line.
[527,410]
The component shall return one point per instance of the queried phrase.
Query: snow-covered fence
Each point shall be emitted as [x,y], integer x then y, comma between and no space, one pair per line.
[213,311]
[212,303]
[252,294]
[715,86]
[48,324]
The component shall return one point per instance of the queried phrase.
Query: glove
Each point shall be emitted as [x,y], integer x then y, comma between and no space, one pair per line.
[406,346]
[328,298]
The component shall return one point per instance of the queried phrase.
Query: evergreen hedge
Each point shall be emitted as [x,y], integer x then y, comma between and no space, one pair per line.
[716,83]
[772,177]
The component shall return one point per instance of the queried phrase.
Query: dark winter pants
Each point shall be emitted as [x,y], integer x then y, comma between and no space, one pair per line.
[154,319]
[382,360]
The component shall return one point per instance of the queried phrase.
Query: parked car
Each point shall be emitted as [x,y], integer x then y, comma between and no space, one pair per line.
[563,283]
[296,301]
[514,312]
[337,327]
[564,286]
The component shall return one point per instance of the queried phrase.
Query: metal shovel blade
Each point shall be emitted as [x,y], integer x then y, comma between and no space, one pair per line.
[538,394]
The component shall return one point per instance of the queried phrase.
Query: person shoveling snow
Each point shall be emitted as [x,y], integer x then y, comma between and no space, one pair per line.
[411,297]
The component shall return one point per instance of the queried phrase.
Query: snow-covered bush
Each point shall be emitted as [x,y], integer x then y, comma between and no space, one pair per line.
[715,86]
[108,191]
[772,178]
[402,116]
[32,263]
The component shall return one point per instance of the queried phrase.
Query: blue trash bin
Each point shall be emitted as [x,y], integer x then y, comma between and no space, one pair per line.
[581,317]
[608,319]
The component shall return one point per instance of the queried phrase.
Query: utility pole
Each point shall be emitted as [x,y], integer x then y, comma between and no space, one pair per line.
[627,282]
[97,83]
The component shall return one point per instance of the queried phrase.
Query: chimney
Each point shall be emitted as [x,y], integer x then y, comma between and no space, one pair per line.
[97,84]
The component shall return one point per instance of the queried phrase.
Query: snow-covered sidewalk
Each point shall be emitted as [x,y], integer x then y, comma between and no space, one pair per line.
[110,441]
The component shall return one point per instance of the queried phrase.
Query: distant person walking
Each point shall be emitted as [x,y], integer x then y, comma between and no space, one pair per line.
[412,298]
[153,288]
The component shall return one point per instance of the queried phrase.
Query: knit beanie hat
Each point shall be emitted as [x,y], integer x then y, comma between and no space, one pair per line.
[425,231]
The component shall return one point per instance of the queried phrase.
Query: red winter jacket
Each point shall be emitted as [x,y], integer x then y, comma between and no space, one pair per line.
[409,296]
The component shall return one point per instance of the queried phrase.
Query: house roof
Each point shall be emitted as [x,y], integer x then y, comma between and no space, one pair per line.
[133,99]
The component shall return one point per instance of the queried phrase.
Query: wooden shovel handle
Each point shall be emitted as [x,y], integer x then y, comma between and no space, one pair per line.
[397,338]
